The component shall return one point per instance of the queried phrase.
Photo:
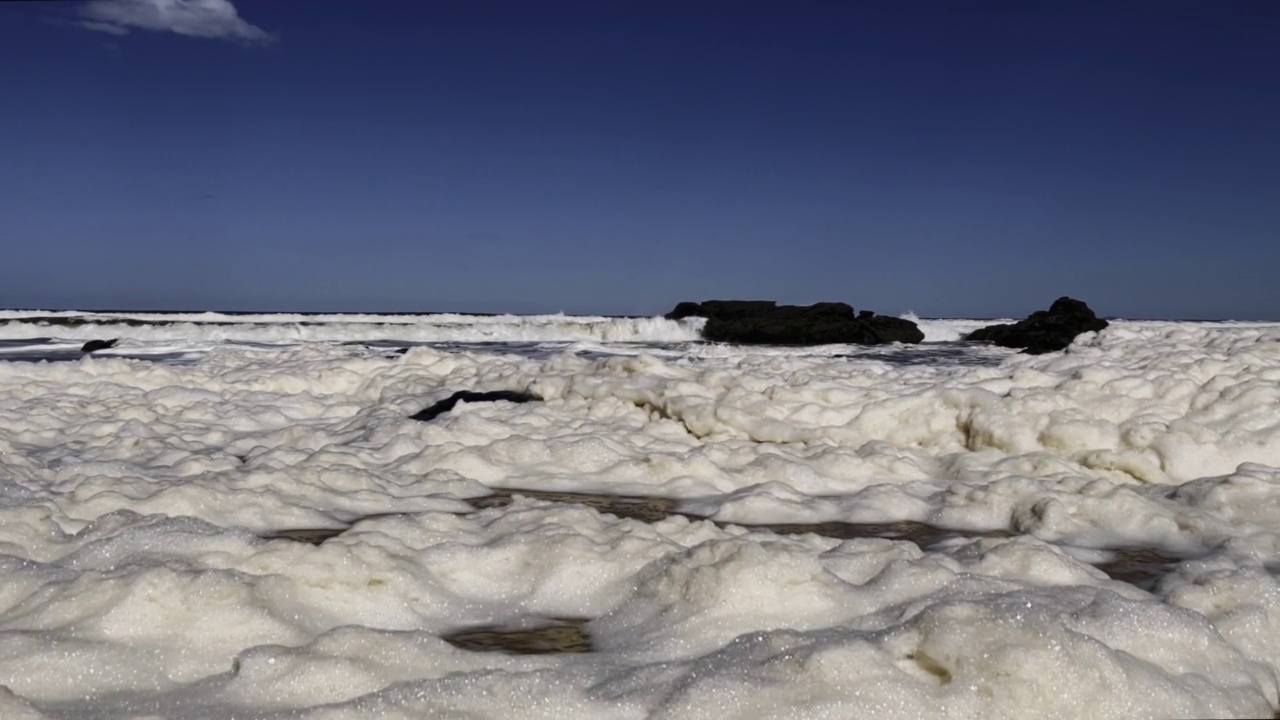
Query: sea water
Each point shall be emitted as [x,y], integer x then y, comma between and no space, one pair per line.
[1096,531]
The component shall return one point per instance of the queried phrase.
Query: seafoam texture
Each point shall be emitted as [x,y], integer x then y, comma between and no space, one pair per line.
[135,580]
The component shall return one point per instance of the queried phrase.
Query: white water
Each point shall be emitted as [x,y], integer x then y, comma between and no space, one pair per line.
[292,328]
[936,330]
[134,583]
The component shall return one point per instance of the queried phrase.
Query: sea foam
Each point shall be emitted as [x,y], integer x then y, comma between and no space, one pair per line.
[144,573]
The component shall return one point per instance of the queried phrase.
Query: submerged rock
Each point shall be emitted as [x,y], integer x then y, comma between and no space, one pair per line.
[646,508]
[1141,567]
[311,536]
[472,396]
[560,635]
[1044,330]
[764,322]
[93,345]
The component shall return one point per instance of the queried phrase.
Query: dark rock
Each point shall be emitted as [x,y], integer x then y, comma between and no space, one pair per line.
[471,396]
[764,322]
[1141,567]
[1044,330]
[560,635]
[646,508]
[318,535]
[724,309]
[93,345]
[684,310]
[312,536]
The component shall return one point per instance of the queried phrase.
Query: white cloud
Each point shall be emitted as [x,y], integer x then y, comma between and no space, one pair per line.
[197,18]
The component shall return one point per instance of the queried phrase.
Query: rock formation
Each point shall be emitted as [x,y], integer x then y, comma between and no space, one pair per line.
[764,322]
[471,396]
[93,345]
[1044,330]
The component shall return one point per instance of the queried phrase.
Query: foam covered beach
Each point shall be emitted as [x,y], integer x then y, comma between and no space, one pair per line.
[1103,523]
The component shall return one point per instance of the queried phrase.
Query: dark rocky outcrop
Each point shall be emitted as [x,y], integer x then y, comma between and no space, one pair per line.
[727,309]
[764,322]
[472,396]
[94,345]
[1044,330]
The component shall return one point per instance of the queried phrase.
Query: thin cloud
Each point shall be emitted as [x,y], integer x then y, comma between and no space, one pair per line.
[194,18]
[105,27]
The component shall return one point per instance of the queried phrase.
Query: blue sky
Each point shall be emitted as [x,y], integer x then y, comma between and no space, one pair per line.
[951,158]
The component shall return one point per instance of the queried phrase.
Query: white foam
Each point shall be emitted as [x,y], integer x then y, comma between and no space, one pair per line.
[949,330]
[294,328]
[134,583]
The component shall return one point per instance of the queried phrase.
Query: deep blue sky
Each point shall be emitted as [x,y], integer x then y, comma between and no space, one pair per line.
[951,158]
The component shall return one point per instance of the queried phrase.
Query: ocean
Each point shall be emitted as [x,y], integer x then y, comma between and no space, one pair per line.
[231,516]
